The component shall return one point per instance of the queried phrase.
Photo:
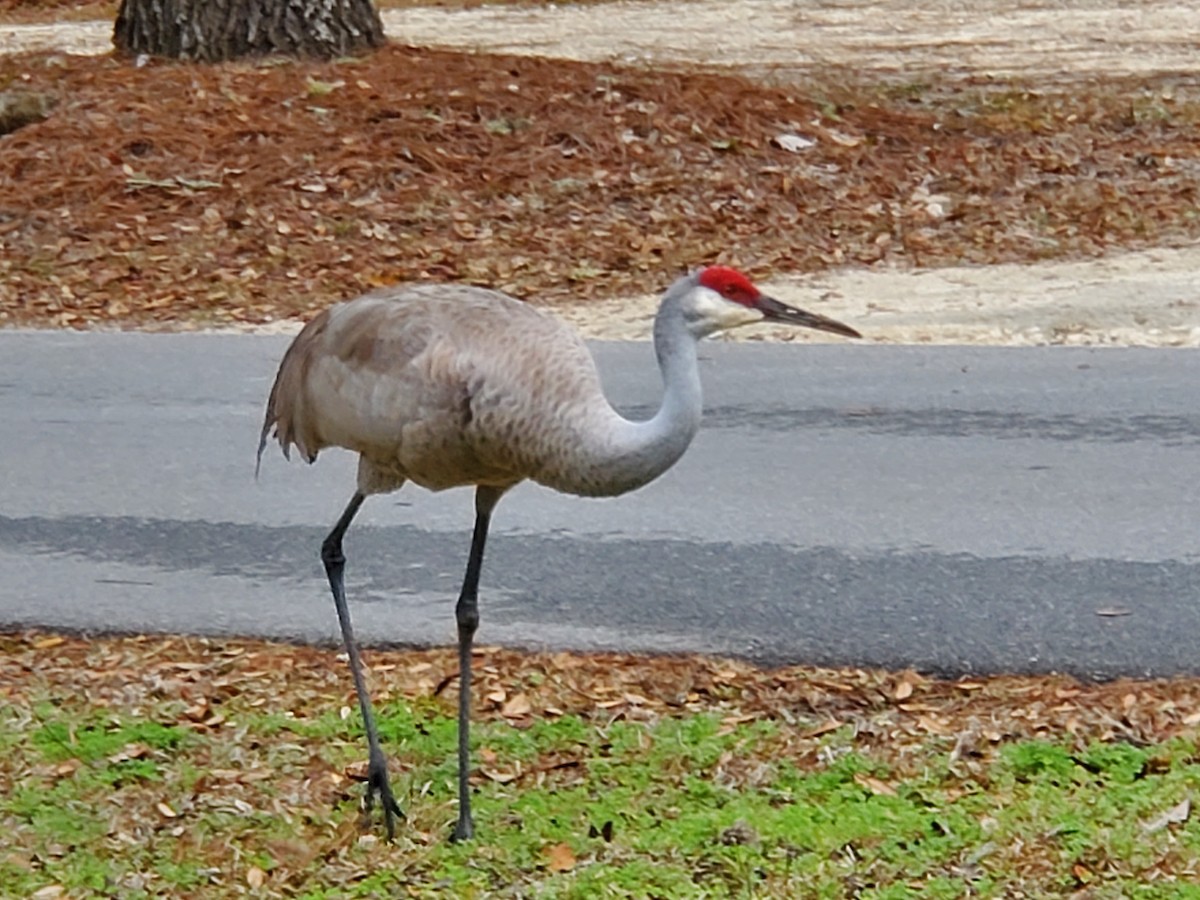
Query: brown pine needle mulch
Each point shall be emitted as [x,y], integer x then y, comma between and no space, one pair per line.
[42,12]
[174,194]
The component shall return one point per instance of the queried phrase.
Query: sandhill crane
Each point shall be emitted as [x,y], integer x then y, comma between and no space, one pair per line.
[449,385]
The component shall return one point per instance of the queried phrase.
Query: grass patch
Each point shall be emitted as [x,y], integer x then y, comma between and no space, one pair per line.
[167,767]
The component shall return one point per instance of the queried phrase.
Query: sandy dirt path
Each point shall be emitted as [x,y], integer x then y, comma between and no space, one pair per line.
[1036,38]
[891,37]
[1143,299]
[1147,298]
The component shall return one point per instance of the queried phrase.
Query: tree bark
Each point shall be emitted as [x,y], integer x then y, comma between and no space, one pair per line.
[216,30]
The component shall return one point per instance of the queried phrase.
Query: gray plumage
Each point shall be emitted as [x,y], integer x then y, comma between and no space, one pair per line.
[451,385]
[446,385]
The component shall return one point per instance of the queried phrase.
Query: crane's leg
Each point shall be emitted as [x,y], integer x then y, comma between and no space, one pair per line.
[467,616]
[377,778]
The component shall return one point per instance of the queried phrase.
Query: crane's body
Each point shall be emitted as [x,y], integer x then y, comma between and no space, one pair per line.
[451,385]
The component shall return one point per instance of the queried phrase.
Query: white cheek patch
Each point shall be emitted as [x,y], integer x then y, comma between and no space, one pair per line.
[736,315]
[725,314]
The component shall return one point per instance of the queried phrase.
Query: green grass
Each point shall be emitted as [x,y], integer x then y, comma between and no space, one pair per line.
[131,803]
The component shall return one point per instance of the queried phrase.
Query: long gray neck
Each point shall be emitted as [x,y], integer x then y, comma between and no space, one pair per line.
[638,452]
[669,433]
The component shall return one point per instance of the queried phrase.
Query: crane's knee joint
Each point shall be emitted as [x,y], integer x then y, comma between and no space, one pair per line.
[331,552]
[467,616]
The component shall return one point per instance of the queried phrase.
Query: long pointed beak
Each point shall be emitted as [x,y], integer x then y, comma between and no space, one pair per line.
[777,311]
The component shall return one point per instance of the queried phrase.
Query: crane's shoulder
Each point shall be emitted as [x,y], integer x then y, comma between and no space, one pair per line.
[435,325]
[432,337]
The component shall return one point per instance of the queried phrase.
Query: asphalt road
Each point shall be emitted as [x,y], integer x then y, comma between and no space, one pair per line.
[952,509]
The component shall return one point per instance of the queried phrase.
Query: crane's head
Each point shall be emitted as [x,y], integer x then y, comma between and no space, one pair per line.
[720,298]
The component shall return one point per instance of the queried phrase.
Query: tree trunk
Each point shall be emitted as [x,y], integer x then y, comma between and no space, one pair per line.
[215,30]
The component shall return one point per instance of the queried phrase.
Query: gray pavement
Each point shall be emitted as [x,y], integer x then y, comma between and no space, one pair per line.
[952,509]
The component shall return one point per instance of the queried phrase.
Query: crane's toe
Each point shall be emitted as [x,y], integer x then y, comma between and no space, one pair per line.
[378,785]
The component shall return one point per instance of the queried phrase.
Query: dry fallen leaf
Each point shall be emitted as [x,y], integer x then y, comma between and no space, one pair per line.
[931,725]
[517,706]
[793,143]
[1176,815]
[738,719]
[918,707]
[498,776]
[560,858]
[67,767]
[831,725]
[874,785]
[128,752]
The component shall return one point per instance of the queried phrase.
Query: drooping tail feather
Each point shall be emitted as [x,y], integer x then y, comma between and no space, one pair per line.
[285,404]
[262,443]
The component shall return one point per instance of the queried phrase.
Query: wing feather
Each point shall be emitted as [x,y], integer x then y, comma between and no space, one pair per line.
[443,384]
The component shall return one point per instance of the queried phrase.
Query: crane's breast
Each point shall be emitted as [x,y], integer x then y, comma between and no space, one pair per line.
[533,401]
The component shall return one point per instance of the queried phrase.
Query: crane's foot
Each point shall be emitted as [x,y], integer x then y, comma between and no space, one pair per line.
[464,829]
[379,786]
